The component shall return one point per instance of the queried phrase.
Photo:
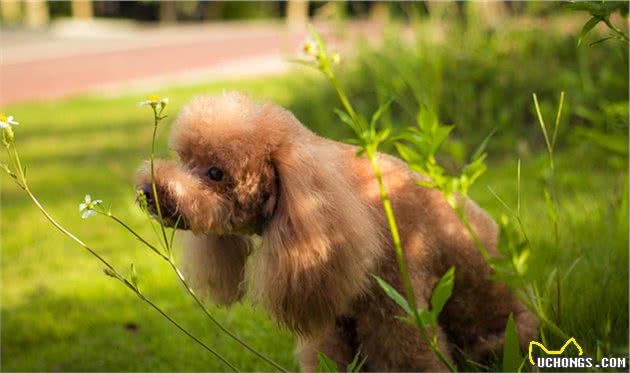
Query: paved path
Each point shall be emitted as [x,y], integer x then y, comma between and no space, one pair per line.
[86,58]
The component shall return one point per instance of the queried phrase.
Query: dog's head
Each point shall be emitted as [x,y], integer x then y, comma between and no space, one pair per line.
[247,168]
[225,180]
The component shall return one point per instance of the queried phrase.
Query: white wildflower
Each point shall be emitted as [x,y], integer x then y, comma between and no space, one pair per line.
[88,206]
[7,121]
[155,101]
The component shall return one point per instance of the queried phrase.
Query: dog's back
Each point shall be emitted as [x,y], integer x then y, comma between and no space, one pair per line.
[434,239]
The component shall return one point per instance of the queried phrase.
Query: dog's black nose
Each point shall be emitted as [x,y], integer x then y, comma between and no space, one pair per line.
[147,191]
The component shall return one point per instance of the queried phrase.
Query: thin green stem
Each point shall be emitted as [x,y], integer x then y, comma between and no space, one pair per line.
[553,197]
[393,228]
[619,33]
[119,277]
[133,232]
[169,257]
[522,228]
[557,123]
[156,121]
[402,262]
[65,231]
[16,177]
[218,324]
[173,231]
[371,153]
[18,165]
[461,213]
[542,316]
[15,159]
[189,289]
[537,310]
[178,326]
[544,129]
[345,102]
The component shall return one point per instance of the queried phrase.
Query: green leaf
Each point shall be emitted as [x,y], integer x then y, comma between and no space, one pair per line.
[381,110]
[394,295]
[325,364]
[597,8]
[520,262]
[426,183]
[407,319]
[315,35]
[551,210]
[588,26]
[550,281]
[408,154]
[541,121]
[426,119]
[501,201]
[557,123]
[299,61]
[471,173]
[7,136]
[442,292]
[603,40]
[613,143]
[439,136]
[346,119]
[133,275]
[382,135]
[568,271]
[512,358]
[356,365]
[482,147]
[427,318]
[518,188]
[6,169]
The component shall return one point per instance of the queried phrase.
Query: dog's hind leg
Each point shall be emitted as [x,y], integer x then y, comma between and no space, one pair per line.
[339,343]
[393,346]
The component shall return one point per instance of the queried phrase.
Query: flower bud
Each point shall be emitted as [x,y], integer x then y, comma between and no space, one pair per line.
[335,58]
[310,48]
[7,136]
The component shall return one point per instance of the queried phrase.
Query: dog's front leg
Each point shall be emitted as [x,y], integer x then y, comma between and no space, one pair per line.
[334,342]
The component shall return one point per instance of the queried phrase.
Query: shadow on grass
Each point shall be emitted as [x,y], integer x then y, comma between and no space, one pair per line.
[115,331]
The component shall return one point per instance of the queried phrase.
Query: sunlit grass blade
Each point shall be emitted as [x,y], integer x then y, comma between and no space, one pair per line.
[557,123]
[541,121]
[483,145]
[512,358]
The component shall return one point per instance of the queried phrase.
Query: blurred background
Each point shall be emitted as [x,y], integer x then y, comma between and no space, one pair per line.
[72,73]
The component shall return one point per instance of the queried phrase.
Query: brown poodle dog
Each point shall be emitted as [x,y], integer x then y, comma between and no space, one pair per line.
[250,169]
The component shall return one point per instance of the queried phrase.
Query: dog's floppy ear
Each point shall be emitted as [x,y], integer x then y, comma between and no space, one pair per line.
[321,241]
[215,265]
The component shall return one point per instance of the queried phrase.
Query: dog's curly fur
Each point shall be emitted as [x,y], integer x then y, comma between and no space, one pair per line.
[317,209]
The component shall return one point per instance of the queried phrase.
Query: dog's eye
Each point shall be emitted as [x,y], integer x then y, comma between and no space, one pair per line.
[215,174]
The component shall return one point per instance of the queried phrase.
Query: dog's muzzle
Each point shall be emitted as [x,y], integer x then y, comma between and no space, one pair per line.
[170,216]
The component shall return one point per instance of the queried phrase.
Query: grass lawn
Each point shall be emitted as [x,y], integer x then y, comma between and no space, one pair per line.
[60,313]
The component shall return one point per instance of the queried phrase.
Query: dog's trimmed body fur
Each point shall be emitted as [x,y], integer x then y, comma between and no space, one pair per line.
[317,209]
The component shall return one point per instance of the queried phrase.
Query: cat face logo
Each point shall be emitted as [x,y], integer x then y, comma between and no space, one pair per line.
[553,352]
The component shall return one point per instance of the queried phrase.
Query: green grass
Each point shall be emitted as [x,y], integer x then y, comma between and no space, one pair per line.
[61,313]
